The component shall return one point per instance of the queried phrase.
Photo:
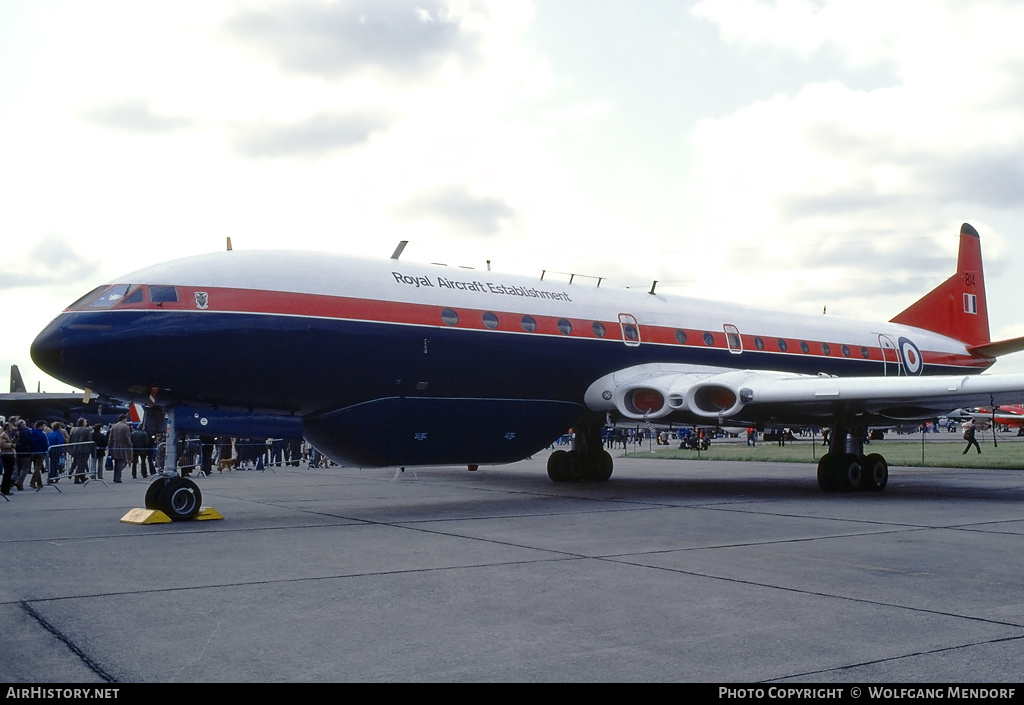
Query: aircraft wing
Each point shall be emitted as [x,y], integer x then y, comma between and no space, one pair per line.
[756,396]
[35,406]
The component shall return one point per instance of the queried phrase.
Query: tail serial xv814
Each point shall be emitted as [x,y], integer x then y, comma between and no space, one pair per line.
[469,367]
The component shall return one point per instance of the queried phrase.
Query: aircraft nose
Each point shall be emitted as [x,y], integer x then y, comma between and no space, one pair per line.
[47,349]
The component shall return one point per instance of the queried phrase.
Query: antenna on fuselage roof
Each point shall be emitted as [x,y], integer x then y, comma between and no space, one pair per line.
[398,250]
[660,282]
[229,243]
[571,275]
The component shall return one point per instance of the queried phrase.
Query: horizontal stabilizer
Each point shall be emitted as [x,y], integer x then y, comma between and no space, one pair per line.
[997,348]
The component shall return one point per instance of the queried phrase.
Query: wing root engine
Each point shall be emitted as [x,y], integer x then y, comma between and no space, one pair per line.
[681,393]
[656,391]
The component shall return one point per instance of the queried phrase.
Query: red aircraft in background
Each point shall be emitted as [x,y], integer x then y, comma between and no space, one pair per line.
[1008,415]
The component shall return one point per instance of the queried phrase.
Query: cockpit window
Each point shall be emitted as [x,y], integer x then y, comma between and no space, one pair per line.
[80,303]
[162,294]
[135,297]
[109,297]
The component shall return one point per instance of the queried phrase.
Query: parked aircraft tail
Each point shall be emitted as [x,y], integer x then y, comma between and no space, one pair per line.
[17,383]
[957,307]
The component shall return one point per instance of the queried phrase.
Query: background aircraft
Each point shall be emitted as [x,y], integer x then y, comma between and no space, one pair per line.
[388,363]
[45,406]
[1011,415]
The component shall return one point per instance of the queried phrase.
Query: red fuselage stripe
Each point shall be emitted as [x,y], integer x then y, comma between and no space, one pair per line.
[263,302]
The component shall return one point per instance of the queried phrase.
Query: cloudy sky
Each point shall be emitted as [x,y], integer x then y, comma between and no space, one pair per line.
[793,153]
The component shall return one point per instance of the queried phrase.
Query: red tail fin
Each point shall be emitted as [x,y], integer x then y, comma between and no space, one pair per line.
[957,307]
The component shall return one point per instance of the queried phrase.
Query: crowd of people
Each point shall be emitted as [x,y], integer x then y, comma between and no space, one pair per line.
[44,453]
[31,449]
[203,453]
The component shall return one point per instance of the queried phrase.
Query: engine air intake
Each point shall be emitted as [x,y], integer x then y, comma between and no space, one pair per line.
[713,398]
[645,400]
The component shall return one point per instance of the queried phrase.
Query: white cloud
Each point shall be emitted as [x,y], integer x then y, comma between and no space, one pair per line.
[130,114]
[316,137]
[864,31]
[830,164]
[459,207]
[401,39]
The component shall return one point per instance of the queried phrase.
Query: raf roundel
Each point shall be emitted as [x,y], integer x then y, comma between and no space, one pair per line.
[912,362]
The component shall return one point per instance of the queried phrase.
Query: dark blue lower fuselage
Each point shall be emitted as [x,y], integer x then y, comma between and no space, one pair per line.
[369,392]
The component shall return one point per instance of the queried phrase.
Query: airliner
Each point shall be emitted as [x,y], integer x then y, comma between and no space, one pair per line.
[389,363]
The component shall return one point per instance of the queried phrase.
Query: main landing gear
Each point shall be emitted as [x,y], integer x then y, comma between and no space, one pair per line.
[845,468]
[588,461]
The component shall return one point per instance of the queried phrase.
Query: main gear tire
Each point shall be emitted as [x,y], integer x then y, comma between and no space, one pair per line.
[849,473]
[180,499]
[557,462]
[599,467]
[826,473]
[153,492]
[876,473]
